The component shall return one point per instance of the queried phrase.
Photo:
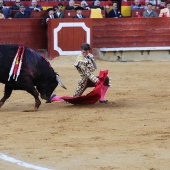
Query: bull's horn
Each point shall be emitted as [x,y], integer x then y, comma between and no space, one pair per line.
[59,81]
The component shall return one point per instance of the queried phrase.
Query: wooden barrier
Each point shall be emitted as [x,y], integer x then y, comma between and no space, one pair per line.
[66,35]
[108,33]
[28,32]
[131,32]
[37,14]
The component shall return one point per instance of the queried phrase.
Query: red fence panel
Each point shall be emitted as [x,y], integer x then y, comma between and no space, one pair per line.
[66,36]
[28,32]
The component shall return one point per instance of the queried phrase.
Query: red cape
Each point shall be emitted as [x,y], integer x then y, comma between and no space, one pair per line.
[91,97]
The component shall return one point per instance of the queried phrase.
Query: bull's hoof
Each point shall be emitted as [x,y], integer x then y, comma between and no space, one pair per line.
[37,105]
[1,104]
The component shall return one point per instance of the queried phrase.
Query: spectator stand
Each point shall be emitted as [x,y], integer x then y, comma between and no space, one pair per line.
[86,13]
[50,4]
[107,35]
[135,13]
[126,7]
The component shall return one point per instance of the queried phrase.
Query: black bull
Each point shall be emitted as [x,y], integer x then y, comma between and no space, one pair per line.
[36,75]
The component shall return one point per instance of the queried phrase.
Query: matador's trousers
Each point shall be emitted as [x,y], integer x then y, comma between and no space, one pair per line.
[84,83]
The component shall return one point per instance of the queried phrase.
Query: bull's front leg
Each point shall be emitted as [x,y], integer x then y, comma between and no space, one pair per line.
[37,101]
[34,92]
[7,94]
[29,87]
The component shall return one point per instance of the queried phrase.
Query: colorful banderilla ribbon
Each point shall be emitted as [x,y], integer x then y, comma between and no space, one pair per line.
[17,63]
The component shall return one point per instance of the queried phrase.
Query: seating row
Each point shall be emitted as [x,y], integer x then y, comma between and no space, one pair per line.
[71,13]
[126,6]
[47,4]
[67,13]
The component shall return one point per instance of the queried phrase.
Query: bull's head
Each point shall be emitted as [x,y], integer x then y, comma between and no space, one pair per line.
[46,88]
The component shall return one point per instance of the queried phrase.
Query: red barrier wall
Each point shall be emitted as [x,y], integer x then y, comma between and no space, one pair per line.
[28,32]
[110,33]
[131,32]
[65,36]
[106,32]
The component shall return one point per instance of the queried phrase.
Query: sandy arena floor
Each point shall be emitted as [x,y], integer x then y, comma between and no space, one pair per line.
[132,132]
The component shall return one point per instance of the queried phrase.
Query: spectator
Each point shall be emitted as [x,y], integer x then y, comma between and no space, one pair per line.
[50,15]
[58,12]
[60,6]
[165,12]
[115,13]
[149,12]
[6,11]
[16,5]
[84,5]
[136,5]
[2,16]
[162,4]
[34,7]
[107,10]
[97,5]
[71,5]
[22,12]
[146,4]
[79,12]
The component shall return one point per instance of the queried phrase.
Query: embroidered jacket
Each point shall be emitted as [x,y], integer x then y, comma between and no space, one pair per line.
[86,66]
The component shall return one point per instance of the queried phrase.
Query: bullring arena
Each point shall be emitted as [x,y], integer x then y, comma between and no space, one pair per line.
[132,131]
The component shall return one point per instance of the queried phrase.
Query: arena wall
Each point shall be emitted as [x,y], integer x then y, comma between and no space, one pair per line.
[140,34]
[28,32]
[104,34]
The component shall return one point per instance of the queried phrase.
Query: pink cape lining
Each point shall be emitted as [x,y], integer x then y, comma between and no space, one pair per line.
[91,97]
